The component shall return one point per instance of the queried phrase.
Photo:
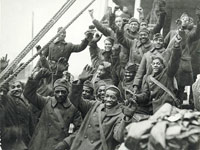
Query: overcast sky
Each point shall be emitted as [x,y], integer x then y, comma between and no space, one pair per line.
[16,26]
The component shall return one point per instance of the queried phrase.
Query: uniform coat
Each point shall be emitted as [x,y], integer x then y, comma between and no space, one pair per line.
[152,93]
[55,119]
[184,74]
[14,118]
[90,134]
[59,49]
[145,66]
[136,48]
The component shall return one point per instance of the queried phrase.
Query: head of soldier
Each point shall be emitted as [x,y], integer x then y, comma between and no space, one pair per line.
[157,65]
[62,35]
[143,24]
[133,25]
[103,70]
[61,90]
[158,41]
[16,88]
[112,96]
[144,35]
[108,44]
[88,90]
[130,71]
[118,22]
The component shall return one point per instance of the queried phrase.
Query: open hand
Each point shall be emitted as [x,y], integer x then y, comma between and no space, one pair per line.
[42,73]
[62,64]
[4,62]
[86,73]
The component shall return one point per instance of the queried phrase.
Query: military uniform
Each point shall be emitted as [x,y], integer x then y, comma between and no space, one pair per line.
[55,118]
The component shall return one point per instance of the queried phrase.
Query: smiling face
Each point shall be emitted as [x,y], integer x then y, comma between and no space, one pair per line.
[101,92]
[107,45]
[111,99]
[143,37]
[133,26]
[15,89]
[157,66]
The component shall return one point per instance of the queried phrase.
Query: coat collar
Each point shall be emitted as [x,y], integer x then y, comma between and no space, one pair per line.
[146,45]
[160,51]
[114,111]
[66,104]
[59,41]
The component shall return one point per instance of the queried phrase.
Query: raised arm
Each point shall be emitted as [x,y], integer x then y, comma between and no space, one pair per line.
[77,87]
[101,28]
[160,23]
[122,39]
[30,90]
[174,61]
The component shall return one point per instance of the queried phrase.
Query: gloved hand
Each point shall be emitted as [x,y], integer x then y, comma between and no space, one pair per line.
[42,73]
[130,109]
[62,146]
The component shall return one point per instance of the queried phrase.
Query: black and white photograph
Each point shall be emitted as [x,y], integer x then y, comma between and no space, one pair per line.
[100,75]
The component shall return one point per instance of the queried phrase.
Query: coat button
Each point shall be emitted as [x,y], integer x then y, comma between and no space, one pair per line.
[92,141]
[85,136]
[89,125]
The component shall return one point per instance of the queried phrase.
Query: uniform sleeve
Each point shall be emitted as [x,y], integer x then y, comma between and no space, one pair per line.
[123,40]
[31,95]
[160,23]
[174,61]
[75,97]
[144,95]
[94,54]
[79,47]
[140,72]
[119,128]
[167,40]
[104,30]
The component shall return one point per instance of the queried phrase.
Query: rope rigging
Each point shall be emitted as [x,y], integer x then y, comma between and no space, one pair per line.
[17,71]
[36,39]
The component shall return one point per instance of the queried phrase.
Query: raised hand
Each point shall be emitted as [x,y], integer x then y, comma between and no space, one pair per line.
[42,73]
[62,64]
[86,73]
[91,12]
[3,63]
[96,37]
[140,10]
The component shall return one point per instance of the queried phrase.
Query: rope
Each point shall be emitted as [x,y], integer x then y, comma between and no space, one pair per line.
[36,39]
[34,56]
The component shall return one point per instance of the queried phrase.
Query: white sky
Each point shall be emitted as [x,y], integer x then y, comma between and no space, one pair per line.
[16,26]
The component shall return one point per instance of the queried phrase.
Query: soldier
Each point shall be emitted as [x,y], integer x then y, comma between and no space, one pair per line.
[159,86]
[57,112]
[104,123]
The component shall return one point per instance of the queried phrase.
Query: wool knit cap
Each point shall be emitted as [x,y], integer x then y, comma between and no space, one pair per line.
[116,89]
[110,39]
[133,20]
[88,83]
[157,35]
[144,30]
[130,67]
[61,83]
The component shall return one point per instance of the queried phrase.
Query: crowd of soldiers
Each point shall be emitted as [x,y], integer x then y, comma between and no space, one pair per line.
[130,78]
